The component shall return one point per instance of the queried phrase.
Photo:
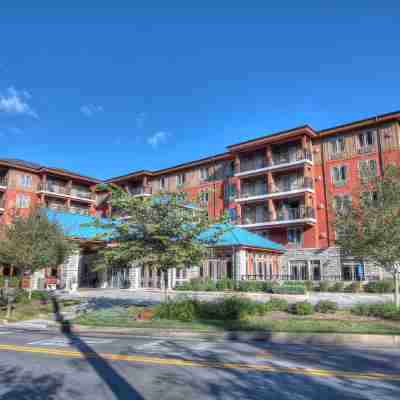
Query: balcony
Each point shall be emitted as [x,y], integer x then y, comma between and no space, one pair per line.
[138,191]
[284,217]
[3,182]
[278,191]
[2,205]
[65,191]
[280,161]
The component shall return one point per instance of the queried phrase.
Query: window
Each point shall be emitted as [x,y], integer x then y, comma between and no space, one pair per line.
[341,202]
[230,192]
[204,174]
[367,168]
[339,175]
[338,145]
[163,182]
[204,196]
[295,236]
[181,179]
[369,197]
[366,140]
[26,180]
[23,201]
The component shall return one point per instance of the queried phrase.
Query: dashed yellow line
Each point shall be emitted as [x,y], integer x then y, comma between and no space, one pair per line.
[202,364]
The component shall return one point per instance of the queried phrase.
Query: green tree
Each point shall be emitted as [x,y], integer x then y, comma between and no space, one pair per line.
[32,243]
[369,227]
[159,232]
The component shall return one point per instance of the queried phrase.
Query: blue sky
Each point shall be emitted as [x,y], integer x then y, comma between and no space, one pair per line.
[111,87]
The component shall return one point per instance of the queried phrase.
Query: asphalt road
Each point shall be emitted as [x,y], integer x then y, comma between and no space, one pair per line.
[42,366]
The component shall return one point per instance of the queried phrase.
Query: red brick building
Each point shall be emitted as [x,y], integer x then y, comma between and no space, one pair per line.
[282,185]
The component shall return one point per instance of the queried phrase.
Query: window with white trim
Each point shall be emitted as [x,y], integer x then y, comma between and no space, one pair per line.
[26,180]
[367,168]
[163,182]
[181,179]
[204,174]
[339,174]
[295,236]
[23,201]
[342,201]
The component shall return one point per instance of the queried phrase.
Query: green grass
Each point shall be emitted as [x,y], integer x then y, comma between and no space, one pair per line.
[124,318]
[23,312]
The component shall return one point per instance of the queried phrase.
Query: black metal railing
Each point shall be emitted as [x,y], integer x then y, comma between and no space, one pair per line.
[286,214]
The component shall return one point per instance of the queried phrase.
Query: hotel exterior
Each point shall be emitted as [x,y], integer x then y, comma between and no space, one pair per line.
[283,186]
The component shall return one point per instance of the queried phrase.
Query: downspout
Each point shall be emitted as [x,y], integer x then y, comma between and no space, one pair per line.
[325,193]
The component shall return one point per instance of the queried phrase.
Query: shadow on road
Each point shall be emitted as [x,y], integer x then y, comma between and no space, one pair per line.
[117,384]
[24,386]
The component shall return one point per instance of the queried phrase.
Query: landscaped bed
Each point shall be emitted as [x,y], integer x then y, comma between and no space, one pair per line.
[182,315]
[38,307]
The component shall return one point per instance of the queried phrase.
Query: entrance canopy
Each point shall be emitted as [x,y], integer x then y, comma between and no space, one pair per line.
[77,226]
[234,236]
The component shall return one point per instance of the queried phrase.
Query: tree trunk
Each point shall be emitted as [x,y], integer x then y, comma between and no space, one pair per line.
[396,288]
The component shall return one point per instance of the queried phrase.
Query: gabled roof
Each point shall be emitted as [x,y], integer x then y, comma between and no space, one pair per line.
[239,237]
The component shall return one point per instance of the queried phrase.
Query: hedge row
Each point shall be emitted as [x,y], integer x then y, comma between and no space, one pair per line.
[287,287]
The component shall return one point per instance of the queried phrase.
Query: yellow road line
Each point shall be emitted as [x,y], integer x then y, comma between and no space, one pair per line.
[205,364]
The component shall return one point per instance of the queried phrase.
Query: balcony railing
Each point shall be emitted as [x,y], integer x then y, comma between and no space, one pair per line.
[83,194]
[65,190]
[304,183]
[280,187]
[283,215]
[79,210]
[3,180]
[140,190]
[57,207]
[253,164]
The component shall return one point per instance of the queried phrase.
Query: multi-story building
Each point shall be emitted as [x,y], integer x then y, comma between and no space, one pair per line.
[283,186]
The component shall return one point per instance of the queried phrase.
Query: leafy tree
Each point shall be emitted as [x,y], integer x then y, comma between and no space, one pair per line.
[32,243]
[159,232]
[369,227]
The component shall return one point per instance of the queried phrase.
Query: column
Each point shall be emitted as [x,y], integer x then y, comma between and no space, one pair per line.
[134,277]
[70,271]
[239,265]
[269,157]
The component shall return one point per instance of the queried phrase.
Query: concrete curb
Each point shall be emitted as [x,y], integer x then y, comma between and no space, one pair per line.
[338,339]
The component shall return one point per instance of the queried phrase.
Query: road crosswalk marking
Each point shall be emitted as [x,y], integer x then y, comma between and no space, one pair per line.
[65,342]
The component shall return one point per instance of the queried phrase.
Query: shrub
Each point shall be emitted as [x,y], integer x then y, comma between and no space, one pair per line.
[326,307]
[323,286]
[225,284]
[354,287]
[337,287]
[302,308]
[289,289]
[182,310]
[276,305]
[40,295]
[380,310]
[250,286]
[384,286]
[228,309]
[309,285]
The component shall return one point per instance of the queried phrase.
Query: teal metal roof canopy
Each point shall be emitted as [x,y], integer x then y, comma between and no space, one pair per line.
[233,235]
[77,226]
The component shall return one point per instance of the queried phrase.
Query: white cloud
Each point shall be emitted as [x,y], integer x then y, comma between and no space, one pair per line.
[157,138]
[13,101]
[88,110]
[140,120]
